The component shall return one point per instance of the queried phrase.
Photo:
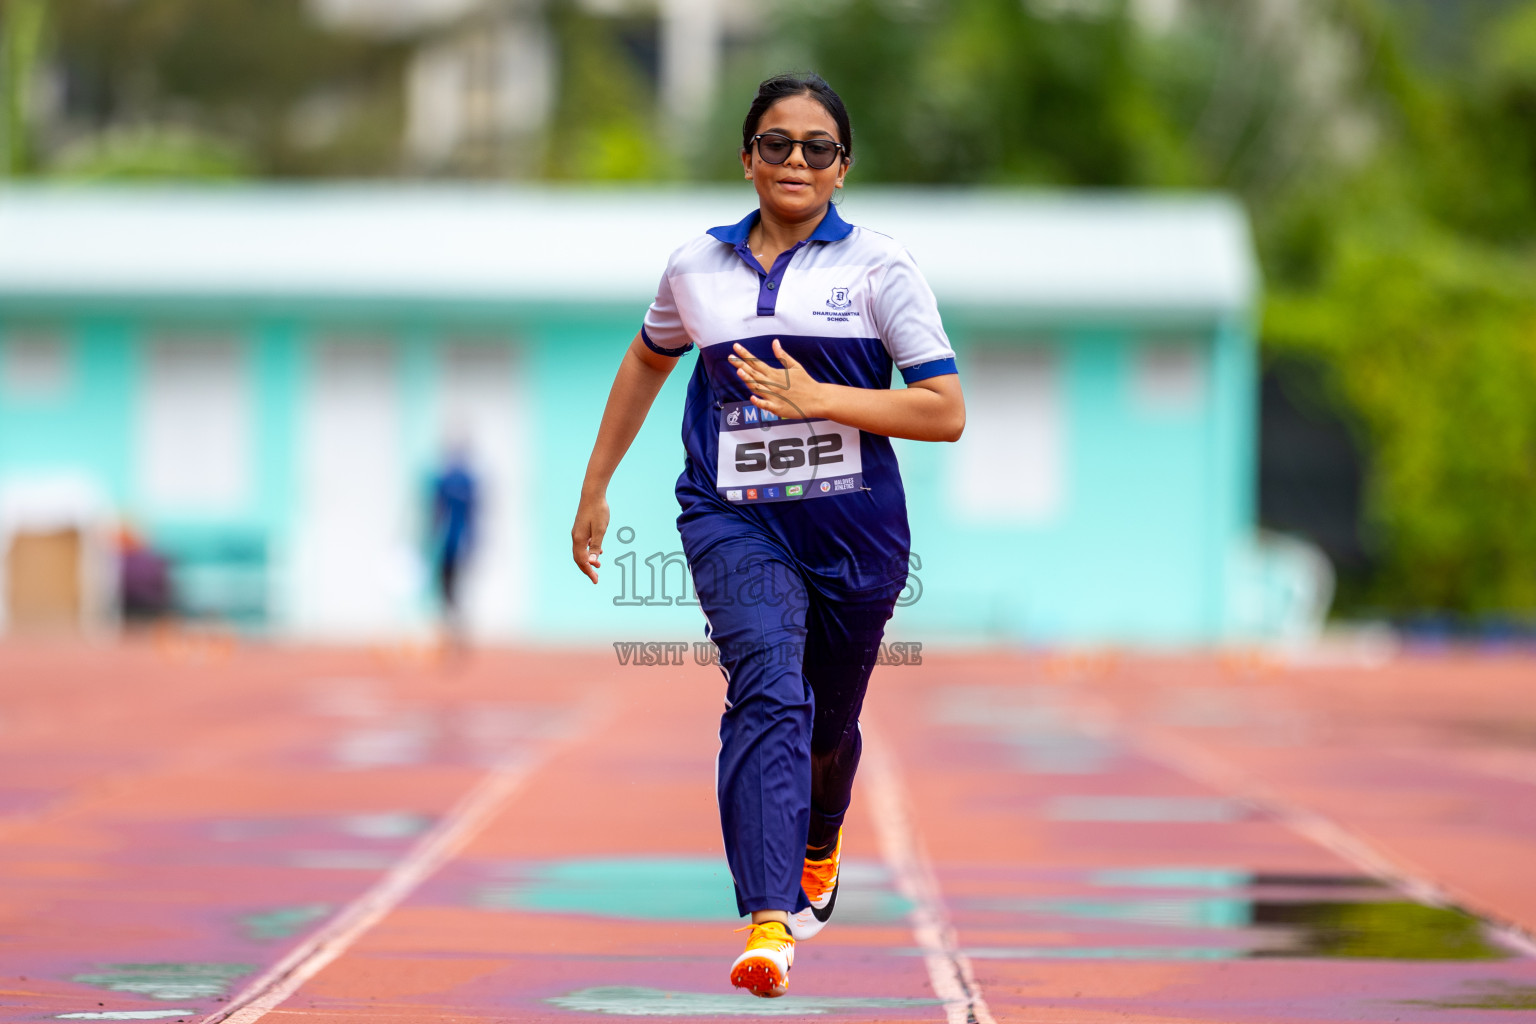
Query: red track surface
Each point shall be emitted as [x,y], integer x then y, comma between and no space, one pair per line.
[337,836]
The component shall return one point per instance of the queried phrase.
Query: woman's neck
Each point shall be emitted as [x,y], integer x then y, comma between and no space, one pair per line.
[771,236]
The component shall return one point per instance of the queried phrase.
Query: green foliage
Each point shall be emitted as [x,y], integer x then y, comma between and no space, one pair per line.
[157,154]
[1431,343]
[259,77]
[602,126]
[1395,212]
[22,25]
[987,91]
[1503,119]
[1413,279]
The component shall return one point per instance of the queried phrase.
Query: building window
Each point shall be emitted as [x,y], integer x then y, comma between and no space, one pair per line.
[355,556]
[1010,467]
[1168,376]
[195,441]
[34,364]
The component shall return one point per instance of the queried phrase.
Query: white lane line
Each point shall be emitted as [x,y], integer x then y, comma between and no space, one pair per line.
[949,970]
[461,824]
[1219,774]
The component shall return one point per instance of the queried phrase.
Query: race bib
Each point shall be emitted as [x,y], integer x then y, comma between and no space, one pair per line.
[765,458]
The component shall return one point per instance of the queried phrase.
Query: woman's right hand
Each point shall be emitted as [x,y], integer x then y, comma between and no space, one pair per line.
[641,375]
[587,533]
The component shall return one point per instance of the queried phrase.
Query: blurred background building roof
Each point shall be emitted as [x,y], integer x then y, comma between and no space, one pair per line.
[988,247]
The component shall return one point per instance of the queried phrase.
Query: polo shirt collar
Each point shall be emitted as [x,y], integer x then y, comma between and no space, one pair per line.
[831,229]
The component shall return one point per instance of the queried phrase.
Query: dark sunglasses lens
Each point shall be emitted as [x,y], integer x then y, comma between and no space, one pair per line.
[773,149]
[819,154]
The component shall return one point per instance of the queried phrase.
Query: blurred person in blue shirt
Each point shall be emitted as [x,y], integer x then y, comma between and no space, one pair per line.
[455,503]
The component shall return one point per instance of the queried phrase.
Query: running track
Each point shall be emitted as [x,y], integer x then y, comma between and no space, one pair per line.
[204,833]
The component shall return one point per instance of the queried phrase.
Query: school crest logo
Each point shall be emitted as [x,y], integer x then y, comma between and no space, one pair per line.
[839,299]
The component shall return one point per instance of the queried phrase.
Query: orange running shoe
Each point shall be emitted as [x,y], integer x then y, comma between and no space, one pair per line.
[819,880]
[763,969]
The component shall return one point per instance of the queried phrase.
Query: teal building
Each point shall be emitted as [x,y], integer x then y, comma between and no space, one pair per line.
[260,382]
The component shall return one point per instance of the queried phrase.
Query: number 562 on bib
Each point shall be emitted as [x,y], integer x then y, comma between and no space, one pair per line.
[764,458]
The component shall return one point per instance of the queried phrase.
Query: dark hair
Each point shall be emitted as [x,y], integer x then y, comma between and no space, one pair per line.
[781,86]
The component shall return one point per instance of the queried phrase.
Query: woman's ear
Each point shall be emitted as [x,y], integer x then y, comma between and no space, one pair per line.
[746,163]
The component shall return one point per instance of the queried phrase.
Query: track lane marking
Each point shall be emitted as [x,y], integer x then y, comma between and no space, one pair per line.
[466,819]
[949,969]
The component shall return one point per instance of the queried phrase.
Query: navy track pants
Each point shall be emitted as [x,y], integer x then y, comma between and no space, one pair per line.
[796,662]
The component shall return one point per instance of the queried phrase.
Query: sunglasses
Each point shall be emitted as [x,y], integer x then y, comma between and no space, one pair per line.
[819,153]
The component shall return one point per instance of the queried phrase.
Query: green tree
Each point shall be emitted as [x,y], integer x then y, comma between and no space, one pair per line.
[254,77]
[1430,341]
[1395,209]
[987,91]
[603,121]
[22,27]
[150,153]
[1411,279]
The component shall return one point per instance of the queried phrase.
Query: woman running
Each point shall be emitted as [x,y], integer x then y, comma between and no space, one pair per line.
[793,516]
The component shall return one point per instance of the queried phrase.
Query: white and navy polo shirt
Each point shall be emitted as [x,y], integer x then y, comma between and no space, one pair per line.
[849,304]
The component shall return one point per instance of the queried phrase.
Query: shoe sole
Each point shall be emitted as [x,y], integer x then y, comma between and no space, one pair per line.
[760,976]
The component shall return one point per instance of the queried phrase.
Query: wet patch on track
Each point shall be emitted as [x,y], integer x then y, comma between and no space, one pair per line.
[631,1001]
[174,982]
[1381,930]
[1233,914]
[128,1015]
[1484,995]
[667,889]
[1258,915]
[282,922]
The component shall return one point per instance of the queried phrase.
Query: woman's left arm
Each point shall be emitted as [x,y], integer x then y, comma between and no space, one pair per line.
[932,409]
